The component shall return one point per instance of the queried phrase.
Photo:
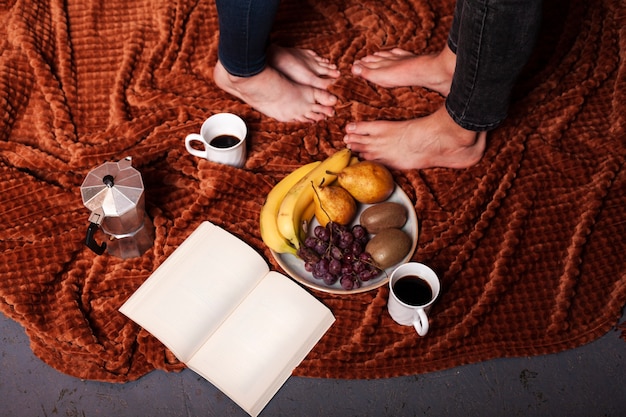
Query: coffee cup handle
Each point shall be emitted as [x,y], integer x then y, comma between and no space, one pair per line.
[194,137]
[421,322]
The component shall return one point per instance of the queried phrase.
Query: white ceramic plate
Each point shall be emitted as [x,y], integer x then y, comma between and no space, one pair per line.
[294,266]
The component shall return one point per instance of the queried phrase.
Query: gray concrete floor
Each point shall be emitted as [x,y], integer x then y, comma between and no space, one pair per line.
[589,381]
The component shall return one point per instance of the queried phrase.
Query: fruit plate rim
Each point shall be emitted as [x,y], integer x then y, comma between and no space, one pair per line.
[294,266]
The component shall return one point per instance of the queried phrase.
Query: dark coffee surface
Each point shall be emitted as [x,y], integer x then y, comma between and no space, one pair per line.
[413,290]
[224,141]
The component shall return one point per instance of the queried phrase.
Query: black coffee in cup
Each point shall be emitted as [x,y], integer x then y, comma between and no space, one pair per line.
[224,141]
[413,290]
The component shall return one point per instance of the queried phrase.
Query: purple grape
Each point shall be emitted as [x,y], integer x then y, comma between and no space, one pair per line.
[329,279]
[374,273]
[335,228]
[336,253]
[317,274]
[346,282]
[365,257]
[359,232]
[322,265]
[334,266]
[365,275]
[358,266]
[310,242]
[356,248]
[321,233]
[321,247]
[308,255]
[345,239]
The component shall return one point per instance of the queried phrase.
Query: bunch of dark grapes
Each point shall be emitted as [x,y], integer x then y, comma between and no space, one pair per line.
[337,253]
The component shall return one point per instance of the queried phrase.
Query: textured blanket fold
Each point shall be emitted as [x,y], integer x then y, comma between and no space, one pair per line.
[529,243]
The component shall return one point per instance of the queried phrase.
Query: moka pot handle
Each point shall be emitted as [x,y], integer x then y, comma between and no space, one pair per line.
[95,220]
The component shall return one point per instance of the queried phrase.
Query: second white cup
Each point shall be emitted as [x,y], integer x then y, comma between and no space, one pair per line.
[413,288]
[222,139]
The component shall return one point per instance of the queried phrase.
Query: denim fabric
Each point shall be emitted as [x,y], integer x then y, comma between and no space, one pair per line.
[245,27]
[493,40]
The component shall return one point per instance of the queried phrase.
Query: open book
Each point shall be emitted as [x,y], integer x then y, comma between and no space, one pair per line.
[216,305]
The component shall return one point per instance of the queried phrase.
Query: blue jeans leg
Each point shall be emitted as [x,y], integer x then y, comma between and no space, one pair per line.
[245,27]
[493,40]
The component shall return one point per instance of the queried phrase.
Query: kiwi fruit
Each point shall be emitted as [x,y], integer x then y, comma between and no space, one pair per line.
[388,247]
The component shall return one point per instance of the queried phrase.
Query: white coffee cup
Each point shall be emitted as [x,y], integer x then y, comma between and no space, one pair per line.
[222,139]
[413,288]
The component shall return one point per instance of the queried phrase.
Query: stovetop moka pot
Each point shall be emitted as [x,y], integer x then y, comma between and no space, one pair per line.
[114,193]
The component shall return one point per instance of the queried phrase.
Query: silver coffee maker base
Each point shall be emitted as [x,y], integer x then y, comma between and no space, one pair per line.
[131,245]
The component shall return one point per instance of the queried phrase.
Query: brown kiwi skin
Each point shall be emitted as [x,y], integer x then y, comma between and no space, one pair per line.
[388,247]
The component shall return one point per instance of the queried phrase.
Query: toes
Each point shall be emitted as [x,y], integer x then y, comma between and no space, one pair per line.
[324,110]
[324,98]
[319,82]
[319,113]
[322,67]
[353,143]
[362,130]
[376,57]
[401,52]
[328,71]
[321,60]
[357,68]
[327,65]
[311,53]
[383,54]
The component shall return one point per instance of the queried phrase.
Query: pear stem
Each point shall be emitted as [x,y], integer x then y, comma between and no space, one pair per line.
[319,199]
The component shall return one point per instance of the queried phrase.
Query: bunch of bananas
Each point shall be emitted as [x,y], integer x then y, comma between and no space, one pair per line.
[290,203]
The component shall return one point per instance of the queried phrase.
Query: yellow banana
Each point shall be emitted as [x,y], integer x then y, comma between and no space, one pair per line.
[269,229]
[298,199]
[308,214]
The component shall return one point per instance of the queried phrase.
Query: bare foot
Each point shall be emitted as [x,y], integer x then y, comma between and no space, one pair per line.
[432,141]
[303,66]
[276,96]
[400,68]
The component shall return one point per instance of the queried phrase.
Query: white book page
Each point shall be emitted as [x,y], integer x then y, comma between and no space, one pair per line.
[195,289]
[254,352]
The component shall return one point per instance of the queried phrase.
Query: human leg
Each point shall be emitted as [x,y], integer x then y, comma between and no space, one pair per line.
[287,84]
[492,40]
[245,27]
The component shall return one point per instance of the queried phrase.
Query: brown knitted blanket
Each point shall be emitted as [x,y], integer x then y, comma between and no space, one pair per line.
[529,243]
